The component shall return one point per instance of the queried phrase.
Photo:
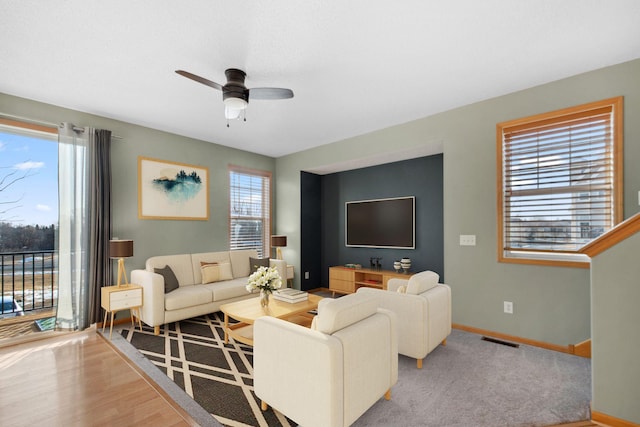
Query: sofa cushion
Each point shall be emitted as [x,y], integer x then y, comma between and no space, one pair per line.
[240,261]
[170,280]
[336,314]
[198,258]
[187,296]
[255,263]
[180,264]
[422,282]
[228,289]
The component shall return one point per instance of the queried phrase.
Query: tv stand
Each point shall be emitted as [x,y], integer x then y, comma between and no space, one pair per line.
[346,280]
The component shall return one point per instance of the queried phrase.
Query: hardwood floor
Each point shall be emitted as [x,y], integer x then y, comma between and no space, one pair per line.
[78,379]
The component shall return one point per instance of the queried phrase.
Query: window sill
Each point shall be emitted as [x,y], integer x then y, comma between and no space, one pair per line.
[552,260]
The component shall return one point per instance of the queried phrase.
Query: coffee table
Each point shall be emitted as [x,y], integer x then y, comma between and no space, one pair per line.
[248,310]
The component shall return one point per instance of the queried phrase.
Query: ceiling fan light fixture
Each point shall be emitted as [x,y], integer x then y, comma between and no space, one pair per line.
[231,113]
[235,103]
[235,94]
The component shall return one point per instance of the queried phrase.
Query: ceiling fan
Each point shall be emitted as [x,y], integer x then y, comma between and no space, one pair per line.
[235,94]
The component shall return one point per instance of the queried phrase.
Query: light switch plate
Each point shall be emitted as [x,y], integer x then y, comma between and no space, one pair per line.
[467,240]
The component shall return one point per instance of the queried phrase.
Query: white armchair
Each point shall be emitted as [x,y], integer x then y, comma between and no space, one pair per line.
[423,311]
[327,376]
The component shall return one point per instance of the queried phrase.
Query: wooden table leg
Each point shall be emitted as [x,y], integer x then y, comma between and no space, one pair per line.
[139,319]
[104,322]
[226,328]
[111,326]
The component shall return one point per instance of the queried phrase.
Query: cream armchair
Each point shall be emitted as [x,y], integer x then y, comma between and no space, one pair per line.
[327,376]
[423,309]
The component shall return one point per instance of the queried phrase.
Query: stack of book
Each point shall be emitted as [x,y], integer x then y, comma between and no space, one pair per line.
[291,295]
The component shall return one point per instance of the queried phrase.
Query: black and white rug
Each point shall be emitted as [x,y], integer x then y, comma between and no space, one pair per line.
[218,376]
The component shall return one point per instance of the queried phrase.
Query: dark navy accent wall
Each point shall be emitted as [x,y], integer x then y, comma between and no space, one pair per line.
[421,177]
[311,231]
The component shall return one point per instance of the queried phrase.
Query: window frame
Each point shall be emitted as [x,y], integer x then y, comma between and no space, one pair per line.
[551,257]
[266,228]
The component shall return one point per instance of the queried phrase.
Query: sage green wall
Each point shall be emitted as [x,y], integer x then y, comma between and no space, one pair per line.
[155,237]
[551,304]
[615,282]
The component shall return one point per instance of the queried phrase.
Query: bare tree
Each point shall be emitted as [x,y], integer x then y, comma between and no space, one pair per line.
[6,181]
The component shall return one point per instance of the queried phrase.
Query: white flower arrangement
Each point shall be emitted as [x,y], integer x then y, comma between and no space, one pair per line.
[266,279]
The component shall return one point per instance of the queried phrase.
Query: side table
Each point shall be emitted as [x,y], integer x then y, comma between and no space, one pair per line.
[118,298]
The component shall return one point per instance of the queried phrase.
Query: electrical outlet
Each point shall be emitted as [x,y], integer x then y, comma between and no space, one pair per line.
[306,275]
[508,307]
[467,240]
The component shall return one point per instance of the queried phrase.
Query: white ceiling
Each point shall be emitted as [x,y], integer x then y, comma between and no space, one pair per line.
[354,66]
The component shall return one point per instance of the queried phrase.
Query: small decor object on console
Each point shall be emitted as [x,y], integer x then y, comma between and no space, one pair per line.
[397,266]
[267,280]
[405,263]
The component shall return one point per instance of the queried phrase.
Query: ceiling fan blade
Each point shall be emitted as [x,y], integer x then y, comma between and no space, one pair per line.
[270,93]
[199,79]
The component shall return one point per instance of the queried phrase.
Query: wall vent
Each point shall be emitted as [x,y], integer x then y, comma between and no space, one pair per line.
[497,341]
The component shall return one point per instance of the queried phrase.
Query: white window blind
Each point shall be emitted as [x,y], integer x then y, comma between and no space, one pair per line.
[249,210]
[559,180]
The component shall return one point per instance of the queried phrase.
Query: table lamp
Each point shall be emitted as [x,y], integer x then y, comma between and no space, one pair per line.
[278,242]
[121,249]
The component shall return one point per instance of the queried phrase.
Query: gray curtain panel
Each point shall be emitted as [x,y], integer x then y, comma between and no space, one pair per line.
[100,272]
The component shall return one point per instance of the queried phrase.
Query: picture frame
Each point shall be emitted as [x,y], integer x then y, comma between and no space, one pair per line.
[172,190]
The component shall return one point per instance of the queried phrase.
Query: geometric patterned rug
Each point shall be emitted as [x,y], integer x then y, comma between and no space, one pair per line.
[218,376]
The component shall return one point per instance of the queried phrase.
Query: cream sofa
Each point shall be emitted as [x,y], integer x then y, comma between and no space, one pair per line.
[192,297]
[328,376]
[423,310]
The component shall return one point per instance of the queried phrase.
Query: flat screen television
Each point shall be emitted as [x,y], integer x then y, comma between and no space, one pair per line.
[381,223]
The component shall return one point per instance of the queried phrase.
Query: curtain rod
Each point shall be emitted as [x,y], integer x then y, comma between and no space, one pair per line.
[43,123]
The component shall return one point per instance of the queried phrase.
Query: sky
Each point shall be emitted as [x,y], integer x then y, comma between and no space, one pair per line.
[36,195]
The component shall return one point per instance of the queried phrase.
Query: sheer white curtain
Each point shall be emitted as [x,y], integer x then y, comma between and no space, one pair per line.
[73,238]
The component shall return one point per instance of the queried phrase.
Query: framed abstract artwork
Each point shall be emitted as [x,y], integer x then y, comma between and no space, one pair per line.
[170,190]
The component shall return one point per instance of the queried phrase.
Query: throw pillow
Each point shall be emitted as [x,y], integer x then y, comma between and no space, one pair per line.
[210,272]
[215,271]
[170,280]
[422,282]
[255,263]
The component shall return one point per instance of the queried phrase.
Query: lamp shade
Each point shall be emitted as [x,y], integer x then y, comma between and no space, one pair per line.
[278,241]
[120,248]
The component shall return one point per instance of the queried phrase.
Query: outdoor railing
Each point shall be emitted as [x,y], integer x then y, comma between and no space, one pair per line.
[30,278]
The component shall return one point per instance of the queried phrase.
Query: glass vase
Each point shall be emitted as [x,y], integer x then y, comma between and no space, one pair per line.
[264,298]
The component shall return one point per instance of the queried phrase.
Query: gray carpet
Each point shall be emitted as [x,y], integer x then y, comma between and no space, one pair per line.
[469,382]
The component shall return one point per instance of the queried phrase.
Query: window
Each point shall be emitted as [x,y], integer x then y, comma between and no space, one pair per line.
[560,182]
[28,217]
[249,210]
